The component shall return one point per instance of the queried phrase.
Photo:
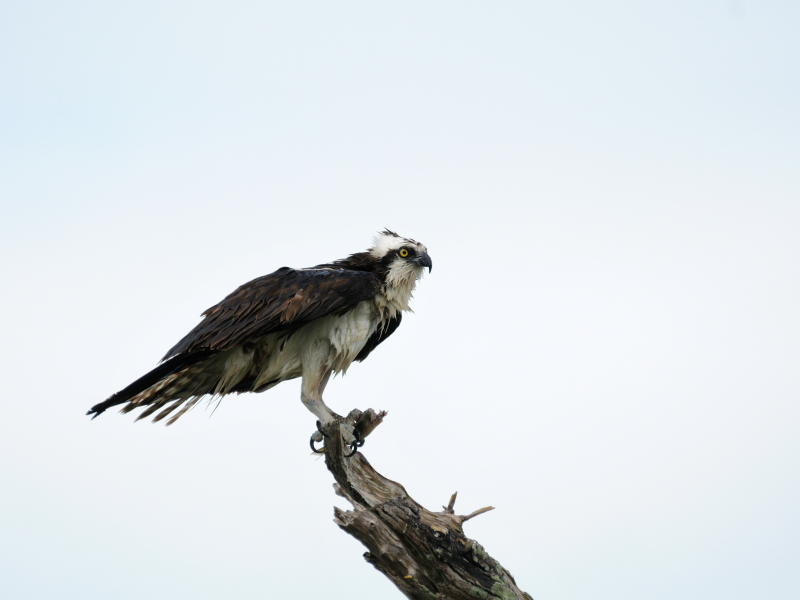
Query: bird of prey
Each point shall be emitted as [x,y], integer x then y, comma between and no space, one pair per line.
[307,323]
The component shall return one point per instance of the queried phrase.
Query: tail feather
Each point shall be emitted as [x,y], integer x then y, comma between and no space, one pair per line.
[150,409]
[186,406]
[168,410]
[157,375]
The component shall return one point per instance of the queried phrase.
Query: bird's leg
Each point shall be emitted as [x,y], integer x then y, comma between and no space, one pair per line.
[311,395]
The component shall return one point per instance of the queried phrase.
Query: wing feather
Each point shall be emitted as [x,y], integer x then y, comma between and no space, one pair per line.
[281,301]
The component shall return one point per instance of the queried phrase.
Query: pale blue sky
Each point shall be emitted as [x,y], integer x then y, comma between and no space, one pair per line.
[607,350]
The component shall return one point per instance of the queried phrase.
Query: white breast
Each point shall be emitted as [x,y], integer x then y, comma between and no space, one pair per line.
[350,332]
[330,342]
[399,289]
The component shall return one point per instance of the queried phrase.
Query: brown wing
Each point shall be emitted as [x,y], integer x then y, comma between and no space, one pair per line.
[280,301]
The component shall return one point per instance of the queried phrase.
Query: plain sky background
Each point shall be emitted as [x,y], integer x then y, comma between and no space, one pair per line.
[606,350]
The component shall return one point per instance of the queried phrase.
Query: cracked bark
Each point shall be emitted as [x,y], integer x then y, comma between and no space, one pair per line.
[425,554]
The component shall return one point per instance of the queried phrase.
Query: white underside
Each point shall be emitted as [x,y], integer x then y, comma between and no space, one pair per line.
[329,343]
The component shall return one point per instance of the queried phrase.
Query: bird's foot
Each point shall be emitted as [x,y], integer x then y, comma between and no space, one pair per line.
[353,439]
[317,437]
[355,444]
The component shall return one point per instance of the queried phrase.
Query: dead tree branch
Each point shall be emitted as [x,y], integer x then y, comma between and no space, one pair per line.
[425,554]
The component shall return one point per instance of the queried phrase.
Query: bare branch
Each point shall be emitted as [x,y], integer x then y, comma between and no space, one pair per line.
[451,504]
[425,554]
[480,511]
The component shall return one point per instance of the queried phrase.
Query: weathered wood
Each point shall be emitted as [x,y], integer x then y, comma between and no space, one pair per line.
[425,554]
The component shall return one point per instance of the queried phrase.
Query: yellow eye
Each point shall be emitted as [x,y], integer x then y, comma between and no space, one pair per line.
[403,252]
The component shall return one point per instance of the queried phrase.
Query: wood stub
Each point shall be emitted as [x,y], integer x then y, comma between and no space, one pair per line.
[425,554]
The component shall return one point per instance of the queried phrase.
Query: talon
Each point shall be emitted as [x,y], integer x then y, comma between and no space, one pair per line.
[354,448]
[314,449]
[319,428]
[355,444]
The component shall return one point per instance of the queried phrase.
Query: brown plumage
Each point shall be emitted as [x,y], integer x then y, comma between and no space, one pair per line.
[290,323]
[280,301]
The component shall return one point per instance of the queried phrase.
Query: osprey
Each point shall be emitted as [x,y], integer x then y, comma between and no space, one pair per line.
[307,323]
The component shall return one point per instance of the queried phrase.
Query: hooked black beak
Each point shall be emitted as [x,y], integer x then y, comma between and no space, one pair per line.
[423,260]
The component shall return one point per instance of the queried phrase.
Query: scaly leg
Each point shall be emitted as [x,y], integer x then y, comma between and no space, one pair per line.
[311,395]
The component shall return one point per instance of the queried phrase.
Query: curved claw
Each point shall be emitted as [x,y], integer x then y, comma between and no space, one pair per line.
[319,428]
[354,447]
[355,444]
[313,448]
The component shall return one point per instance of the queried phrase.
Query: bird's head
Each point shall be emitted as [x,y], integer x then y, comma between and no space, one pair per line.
[403,261]
[404,258]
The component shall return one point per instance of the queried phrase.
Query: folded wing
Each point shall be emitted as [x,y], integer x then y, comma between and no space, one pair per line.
[280,301]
